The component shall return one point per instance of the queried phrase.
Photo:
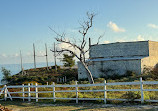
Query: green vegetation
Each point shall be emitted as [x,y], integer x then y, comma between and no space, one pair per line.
[51,75]
[130,95]
[150,73]
[6,75]
[68,60]
[40,75]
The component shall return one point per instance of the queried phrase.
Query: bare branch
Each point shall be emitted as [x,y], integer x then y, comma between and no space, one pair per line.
[100,37]
[85,27]
[68,42]
[65,50]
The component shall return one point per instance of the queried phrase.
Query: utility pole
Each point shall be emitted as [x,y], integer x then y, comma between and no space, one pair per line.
[55,57]
[34,55]
[21,63]
[46,56]
[89,43]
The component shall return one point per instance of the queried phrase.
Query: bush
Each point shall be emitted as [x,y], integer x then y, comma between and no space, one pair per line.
[131,96]
[6,75]
[150,73]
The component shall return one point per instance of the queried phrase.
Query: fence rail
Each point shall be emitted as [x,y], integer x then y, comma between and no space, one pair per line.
[36,91]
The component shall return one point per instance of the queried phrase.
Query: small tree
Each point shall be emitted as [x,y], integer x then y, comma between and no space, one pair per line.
[68,60]
[6,75]
[82,48]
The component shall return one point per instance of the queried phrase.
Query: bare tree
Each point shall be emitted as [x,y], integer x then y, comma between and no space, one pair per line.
[85,26]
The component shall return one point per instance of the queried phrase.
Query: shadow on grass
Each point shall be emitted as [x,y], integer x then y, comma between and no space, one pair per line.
[77,107]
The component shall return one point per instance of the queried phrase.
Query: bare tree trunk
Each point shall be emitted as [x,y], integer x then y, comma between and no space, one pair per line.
[89,75]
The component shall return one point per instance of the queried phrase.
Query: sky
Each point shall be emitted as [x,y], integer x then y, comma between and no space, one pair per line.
[24,22]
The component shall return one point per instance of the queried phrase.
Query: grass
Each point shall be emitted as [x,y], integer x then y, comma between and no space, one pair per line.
[152,95]
[47,106]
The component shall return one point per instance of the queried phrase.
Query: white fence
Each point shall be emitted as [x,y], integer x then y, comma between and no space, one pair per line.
[23,87]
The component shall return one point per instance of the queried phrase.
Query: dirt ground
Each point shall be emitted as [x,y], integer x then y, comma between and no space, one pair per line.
[26,106]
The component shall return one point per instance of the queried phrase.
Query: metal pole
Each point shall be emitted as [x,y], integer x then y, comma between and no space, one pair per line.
[46,56]
[55,57]
[89,43]
[34,55]
[21,63]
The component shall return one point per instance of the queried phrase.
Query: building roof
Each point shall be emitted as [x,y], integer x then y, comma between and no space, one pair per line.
[117,58]
[124,42]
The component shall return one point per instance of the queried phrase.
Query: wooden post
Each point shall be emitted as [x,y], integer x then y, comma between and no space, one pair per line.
[76,92]
[61,80]
[54,92]
[55,57]
[21,63]
[9,94]
[23,92]
[34,53]
[47,83]
[36,89]
[141,88]
[105,92]
[46,56]
[89,43]
[5,92]
[57,80]
[65,78]
[29,95]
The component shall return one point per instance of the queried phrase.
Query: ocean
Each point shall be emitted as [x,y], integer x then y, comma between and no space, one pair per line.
[15,68]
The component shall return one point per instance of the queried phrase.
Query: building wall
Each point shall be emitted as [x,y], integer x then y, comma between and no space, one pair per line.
[114,67]
[146,50]
[152,60]
[124,49]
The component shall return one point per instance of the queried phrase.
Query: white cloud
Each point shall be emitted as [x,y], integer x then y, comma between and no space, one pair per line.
[120,40]
[41,53]
[16,55]
[115,28]
[140,38]
[153,26]
[67,46]
[3,55]
[106,42]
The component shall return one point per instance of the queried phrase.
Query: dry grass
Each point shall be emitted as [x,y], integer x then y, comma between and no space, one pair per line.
[25,106]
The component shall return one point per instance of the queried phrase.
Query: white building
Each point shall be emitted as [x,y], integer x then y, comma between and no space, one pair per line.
[120,57]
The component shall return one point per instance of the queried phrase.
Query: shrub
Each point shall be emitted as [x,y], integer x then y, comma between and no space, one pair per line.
[131,96]
[6,75]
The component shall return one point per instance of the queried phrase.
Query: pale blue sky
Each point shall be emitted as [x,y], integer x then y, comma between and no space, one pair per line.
[23,22]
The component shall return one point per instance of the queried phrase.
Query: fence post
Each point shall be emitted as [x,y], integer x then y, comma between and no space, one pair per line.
[141,88]
[36,89]
[23,90]
[57,80]
[60,80]
[5,92]
[65,78]
[29,95]
[105,92]
[76,92]
[54,92]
